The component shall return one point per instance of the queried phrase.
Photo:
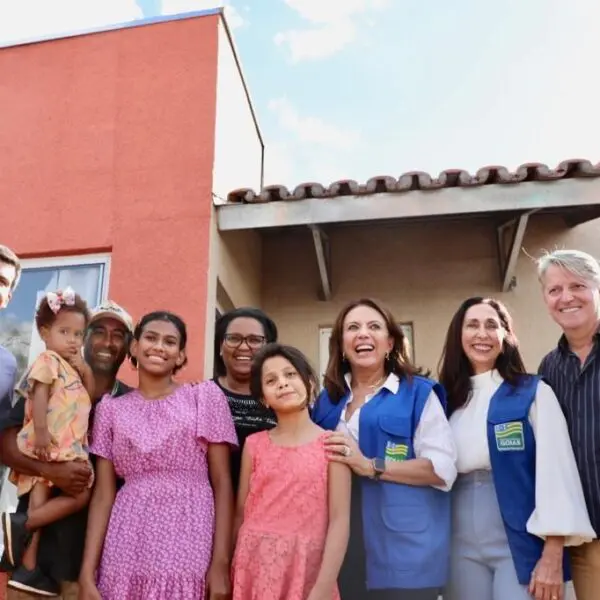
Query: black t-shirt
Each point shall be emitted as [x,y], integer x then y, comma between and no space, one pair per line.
[61,543]
[249,416]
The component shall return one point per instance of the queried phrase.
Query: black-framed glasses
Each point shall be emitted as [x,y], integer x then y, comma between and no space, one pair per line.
[235,340]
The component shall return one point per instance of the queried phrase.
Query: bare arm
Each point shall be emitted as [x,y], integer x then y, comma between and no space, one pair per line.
[417,471]
[89,383]
[39,402]
[11,456]
[243,489]
[219,471]
[338,531]
[71,477]
[85,372]
[101,505]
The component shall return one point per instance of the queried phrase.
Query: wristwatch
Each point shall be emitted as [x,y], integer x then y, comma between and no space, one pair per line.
[378,467]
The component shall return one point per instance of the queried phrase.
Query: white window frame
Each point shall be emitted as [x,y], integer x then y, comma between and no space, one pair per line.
[77,260]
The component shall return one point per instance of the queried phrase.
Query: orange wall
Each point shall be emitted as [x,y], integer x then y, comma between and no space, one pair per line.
[107,143]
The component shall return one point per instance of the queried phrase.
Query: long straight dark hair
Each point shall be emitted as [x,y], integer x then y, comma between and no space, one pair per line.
[398,361]
[455,369]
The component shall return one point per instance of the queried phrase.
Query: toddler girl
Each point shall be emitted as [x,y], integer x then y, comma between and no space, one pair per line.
[293,508]
[57,390]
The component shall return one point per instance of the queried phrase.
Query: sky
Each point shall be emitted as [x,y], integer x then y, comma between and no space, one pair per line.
[358,88]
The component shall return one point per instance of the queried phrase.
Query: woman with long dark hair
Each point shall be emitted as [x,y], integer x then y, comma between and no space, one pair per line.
[239,335]
[388,425]
[518,498]
[166,534]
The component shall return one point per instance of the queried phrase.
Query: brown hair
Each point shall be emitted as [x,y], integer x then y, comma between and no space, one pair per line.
[398,360]
[295,358]
[44,316]
[455,369]
[9,257]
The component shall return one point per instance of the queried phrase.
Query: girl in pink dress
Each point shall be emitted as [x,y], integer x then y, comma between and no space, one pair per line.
[166,534]
[293,509]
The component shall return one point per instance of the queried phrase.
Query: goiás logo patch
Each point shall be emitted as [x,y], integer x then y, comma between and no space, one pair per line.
[396,452]
[509,436]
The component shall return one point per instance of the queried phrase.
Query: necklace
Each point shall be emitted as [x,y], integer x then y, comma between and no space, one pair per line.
[378,384]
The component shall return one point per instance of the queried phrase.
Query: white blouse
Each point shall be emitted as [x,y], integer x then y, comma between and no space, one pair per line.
[560,506]
[433,437]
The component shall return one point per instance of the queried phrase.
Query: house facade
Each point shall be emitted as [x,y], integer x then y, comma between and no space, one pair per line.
[420,244]
[120,149]
[113,144]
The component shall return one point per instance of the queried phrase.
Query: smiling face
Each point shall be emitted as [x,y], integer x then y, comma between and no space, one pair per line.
[366,339]
[243,339]
[158,350]
[571,300]
[65,335]
[482,337]
[283,389]
[106,345]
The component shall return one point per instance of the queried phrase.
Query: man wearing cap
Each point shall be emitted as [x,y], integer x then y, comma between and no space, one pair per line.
[61,543]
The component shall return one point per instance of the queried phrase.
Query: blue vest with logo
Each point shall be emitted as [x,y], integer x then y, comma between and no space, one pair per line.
[406,528]
[511,442]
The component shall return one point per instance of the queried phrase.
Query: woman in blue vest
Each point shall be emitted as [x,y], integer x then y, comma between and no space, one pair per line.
[389,426]
[518,498]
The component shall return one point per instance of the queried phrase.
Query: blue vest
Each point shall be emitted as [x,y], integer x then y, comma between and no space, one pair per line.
[406,528]
[511,442]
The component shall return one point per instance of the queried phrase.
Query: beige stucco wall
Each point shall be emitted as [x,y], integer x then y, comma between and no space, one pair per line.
[234,278]
[239,269]
[421,271]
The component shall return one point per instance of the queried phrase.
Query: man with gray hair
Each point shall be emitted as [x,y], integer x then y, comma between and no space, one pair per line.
[571,286]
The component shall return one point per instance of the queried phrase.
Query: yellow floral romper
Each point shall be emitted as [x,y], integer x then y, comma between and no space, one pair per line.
[68,413]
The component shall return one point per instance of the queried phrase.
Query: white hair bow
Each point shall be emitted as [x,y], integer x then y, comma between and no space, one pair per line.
[58,299]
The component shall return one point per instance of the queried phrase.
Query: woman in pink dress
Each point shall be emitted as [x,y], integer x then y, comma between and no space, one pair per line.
[293,511]
[166,535]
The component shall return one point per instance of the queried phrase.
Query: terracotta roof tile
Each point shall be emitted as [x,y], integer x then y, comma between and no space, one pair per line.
[419,180]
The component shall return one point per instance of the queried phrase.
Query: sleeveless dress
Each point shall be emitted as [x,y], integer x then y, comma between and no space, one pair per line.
[158,545]
[280,544]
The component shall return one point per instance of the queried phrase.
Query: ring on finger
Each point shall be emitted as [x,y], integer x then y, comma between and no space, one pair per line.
[347,451]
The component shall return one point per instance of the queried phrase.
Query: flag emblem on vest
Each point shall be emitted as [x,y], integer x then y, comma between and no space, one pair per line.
[396,452]
[509,436]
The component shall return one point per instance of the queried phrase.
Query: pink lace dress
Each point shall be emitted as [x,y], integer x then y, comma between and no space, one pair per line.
[280,544]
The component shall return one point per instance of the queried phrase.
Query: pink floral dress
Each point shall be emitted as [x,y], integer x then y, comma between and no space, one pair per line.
[160,536]
[280,544]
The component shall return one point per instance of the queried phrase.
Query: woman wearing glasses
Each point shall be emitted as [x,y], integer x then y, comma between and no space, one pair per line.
[239,334]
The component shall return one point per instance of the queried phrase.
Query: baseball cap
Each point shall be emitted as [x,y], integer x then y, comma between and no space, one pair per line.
[111,310]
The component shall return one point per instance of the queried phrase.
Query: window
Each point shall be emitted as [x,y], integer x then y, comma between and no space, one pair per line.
[87,275]
[325,334]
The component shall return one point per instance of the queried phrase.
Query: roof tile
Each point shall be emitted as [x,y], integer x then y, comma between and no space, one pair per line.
[419,180]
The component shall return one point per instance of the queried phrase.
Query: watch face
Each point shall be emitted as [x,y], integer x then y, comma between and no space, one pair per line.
[379,465]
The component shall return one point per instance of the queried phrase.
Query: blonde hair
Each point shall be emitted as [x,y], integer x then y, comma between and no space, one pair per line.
[581,264]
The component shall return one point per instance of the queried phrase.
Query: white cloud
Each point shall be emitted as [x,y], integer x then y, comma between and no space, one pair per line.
[312,130]
[26,19]
[307,147]
[233,16]
[334,25]
[328,12]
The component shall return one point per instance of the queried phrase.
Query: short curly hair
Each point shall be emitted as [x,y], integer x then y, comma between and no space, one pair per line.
[45,316]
